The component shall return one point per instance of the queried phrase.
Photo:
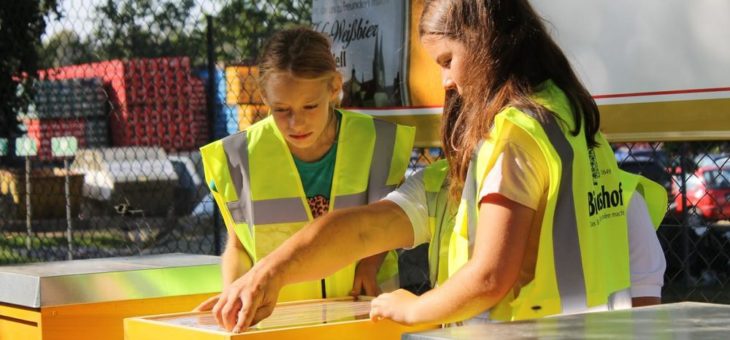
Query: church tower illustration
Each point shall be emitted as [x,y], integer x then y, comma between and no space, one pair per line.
[378,65]
[373,92]
[380,97]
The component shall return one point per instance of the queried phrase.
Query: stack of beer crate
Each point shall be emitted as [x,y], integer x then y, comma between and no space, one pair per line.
[68,108]
[225,116]
[243,92]
[153,102]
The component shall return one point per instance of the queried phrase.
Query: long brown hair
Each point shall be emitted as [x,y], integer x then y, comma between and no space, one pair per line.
[301,51]
[509,53]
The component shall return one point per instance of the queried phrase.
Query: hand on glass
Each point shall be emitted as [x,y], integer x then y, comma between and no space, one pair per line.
[397,306]
[246,301]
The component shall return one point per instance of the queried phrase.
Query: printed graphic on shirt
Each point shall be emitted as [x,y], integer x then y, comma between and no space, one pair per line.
[319,205]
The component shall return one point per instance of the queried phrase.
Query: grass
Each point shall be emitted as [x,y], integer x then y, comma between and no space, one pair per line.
[13,245]
[16,240]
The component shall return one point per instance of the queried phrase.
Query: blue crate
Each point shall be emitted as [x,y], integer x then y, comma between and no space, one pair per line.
[225,117]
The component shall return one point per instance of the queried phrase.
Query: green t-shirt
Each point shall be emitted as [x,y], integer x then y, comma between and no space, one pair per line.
[317,180]
[317,177]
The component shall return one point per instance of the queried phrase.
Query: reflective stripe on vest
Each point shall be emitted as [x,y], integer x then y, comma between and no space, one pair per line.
[469,195]
[378,185]
[289,210]
[242,210]
[267,203]
[566,245]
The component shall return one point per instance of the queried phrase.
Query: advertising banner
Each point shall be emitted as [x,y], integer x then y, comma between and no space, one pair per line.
[375,43]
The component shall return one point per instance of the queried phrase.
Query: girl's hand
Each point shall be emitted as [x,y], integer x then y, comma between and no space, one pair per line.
[398,306]
[366,272]
[247,300]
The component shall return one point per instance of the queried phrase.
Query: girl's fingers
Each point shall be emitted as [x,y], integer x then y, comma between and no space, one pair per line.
[249,306]
[356,287]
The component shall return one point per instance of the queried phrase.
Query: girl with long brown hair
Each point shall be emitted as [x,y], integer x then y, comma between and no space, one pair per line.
[542,225]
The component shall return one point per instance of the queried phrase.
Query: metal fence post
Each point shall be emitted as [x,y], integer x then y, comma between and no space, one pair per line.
[69,227]
[211,106]
[28,209]
[685,215]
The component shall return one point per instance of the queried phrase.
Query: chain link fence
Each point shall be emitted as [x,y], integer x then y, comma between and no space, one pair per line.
[126,93]
[695,232]
[129,90]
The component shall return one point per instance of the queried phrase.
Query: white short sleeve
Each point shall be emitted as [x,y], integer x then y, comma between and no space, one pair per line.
[646,257]
[519,174]
[411,197]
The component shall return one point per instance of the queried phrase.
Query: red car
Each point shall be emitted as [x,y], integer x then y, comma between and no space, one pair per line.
[708,193]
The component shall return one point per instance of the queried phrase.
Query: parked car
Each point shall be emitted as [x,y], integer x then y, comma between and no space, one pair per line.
[707,193]
[720,160]
[652,164]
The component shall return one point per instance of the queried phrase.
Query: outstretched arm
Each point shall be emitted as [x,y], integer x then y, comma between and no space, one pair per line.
[320,249]
[501,240]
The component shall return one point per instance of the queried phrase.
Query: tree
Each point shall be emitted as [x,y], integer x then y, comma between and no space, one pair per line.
[155,28]
[243,26]
[21,26]
[148,29]
[66,48]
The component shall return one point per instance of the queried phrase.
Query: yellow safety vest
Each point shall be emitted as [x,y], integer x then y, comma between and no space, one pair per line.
[440,220]
[583,254]
[259,192]
[441,211]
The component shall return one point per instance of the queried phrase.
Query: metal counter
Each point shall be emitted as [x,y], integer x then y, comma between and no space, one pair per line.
[110,279]
[686,320]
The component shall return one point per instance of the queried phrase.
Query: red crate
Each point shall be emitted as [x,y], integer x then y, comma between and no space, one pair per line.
[55,127]
[143,92]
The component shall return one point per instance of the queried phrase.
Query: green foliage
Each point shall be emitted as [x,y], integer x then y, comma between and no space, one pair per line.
[148,29]
[21,25]
[155,28]
[126,29]
[243,26]
[66,48]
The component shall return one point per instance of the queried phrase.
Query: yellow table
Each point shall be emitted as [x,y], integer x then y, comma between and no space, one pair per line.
[88,299]
[341,318]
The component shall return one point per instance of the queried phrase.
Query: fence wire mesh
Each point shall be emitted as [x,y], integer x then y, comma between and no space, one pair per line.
[129,90]
[126,93]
